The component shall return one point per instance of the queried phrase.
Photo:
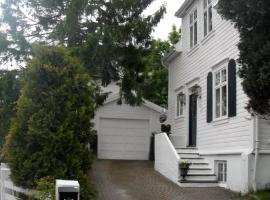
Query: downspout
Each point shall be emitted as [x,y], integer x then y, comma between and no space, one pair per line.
[256,151]
[163,64]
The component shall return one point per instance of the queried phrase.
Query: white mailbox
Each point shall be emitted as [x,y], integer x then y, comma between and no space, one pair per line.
[67,190]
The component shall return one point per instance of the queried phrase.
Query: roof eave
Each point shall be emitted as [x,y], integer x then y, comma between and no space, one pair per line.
[170,57]
[146,103]
[182,10]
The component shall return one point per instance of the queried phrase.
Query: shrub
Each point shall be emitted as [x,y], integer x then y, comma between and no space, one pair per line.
[52,128]
[46,188]
[184,164]
[166,128]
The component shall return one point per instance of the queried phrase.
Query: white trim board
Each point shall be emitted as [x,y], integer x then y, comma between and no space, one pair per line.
[146,103]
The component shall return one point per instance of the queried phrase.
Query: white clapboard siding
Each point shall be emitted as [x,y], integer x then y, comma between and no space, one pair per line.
[233,133]
[129,139]
[124,131]
[264,134]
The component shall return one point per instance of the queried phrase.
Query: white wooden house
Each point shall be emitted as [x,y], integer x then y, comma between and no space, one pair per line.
[206,108]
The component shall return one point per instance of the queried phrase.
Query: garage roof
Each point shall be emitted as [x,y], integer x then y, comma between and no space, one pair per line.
[115,96]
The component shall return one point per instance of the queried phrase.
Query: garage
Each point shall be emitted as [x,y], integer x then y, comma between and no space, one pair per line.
[124,131]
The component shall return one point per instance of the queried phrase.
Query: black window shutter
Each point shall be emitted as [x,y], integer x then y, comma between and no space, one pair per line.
[232,88]
[209,114]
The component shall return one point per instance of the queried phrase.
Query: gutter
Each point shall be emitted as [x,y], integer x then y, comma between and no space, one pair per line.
[170,57]
[163,64]
[175,51]
[180,13]
[256,151]
[182,10]
[167,58]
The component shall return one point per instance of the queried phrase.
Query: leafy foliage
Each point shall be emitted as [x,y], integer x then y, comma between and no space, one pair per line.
[251,18]
[46,188]
[184,164]
[119,44]
[174,35]
[52,128]
[155,87]
[110,37]
[9,93]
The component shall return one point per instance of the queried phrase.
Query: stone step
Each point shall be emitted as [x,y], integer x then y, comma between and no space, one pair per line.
[192,160]
[200,173]
[190,155]
[186,150]
[199,165]
[201,177]
[198,183]
[199,170]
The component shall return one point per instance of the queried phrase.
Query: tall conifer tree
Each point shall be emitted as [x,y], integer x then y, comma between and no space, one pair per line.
[50,133]
[251,18]
[109,36]
[10,86]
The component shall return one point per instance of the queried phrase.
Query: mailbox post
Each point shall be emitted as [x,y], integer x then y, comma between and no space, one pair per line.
[67,190]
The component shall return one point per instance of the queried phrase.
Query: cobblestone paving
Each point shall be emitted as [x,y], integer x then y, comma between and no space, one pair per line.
[137,180]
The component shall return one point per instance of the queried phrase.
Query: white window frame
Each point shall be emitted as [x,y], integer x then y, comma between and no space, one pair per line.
[220,86]
[222,176]
[193,33]
[207,27]
[180,106]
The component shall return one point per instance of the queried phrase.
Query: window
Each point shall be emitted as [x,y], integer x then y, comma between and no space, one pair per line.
[180,103]
[193,28]
[220,93]
[221,167]
[207,16]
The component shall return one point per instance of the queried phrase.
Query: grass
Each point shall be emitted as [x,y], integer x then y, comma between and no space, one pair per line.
[261,195]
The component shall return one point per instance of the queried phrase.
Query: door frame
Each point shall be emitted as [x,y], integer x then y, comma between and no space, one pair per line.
[189,90]
[190,121]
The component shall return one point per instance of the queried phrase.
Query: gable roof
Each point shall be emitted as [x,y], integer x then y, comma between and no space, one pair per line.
[115,96]
[182,10]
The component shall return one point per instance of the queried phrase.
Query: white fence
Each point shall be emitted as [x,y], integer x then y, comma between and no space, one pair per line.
[8,190]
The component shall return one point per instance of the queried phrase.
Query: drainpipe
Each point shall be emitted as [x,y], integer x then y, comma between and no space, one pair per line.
[163,64]
[256,151]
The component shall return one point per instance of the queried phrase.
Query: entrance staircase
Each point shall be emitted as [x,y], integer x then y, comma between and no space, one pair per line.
[200,174]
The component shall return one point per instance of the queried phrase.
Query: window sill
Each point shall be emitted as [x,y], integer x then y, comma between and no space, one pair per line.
[179,117]
[193,50]
[217,122]
[208,37]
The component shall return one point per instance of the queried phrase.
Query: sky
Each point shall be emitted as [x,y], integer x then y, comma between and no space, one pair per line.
[165,25]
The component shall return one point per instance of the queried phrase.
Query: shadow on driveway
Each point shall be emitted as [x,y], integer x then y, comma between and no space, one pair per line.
[137,180]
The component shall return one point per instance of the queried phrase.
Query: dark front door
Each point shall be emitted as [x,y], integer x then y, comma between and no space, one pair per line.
[192,120]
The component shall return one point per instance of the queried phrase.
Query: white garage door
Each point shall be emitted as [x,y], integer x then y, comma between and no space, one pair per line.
[126,139]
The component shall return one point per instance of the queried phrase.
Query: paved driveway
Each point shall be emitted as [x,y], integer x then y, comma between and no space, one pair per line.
[137,180]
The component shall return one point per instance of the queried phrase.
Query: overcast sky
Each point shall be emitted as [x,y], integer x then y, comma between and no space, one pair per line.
[165,25]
